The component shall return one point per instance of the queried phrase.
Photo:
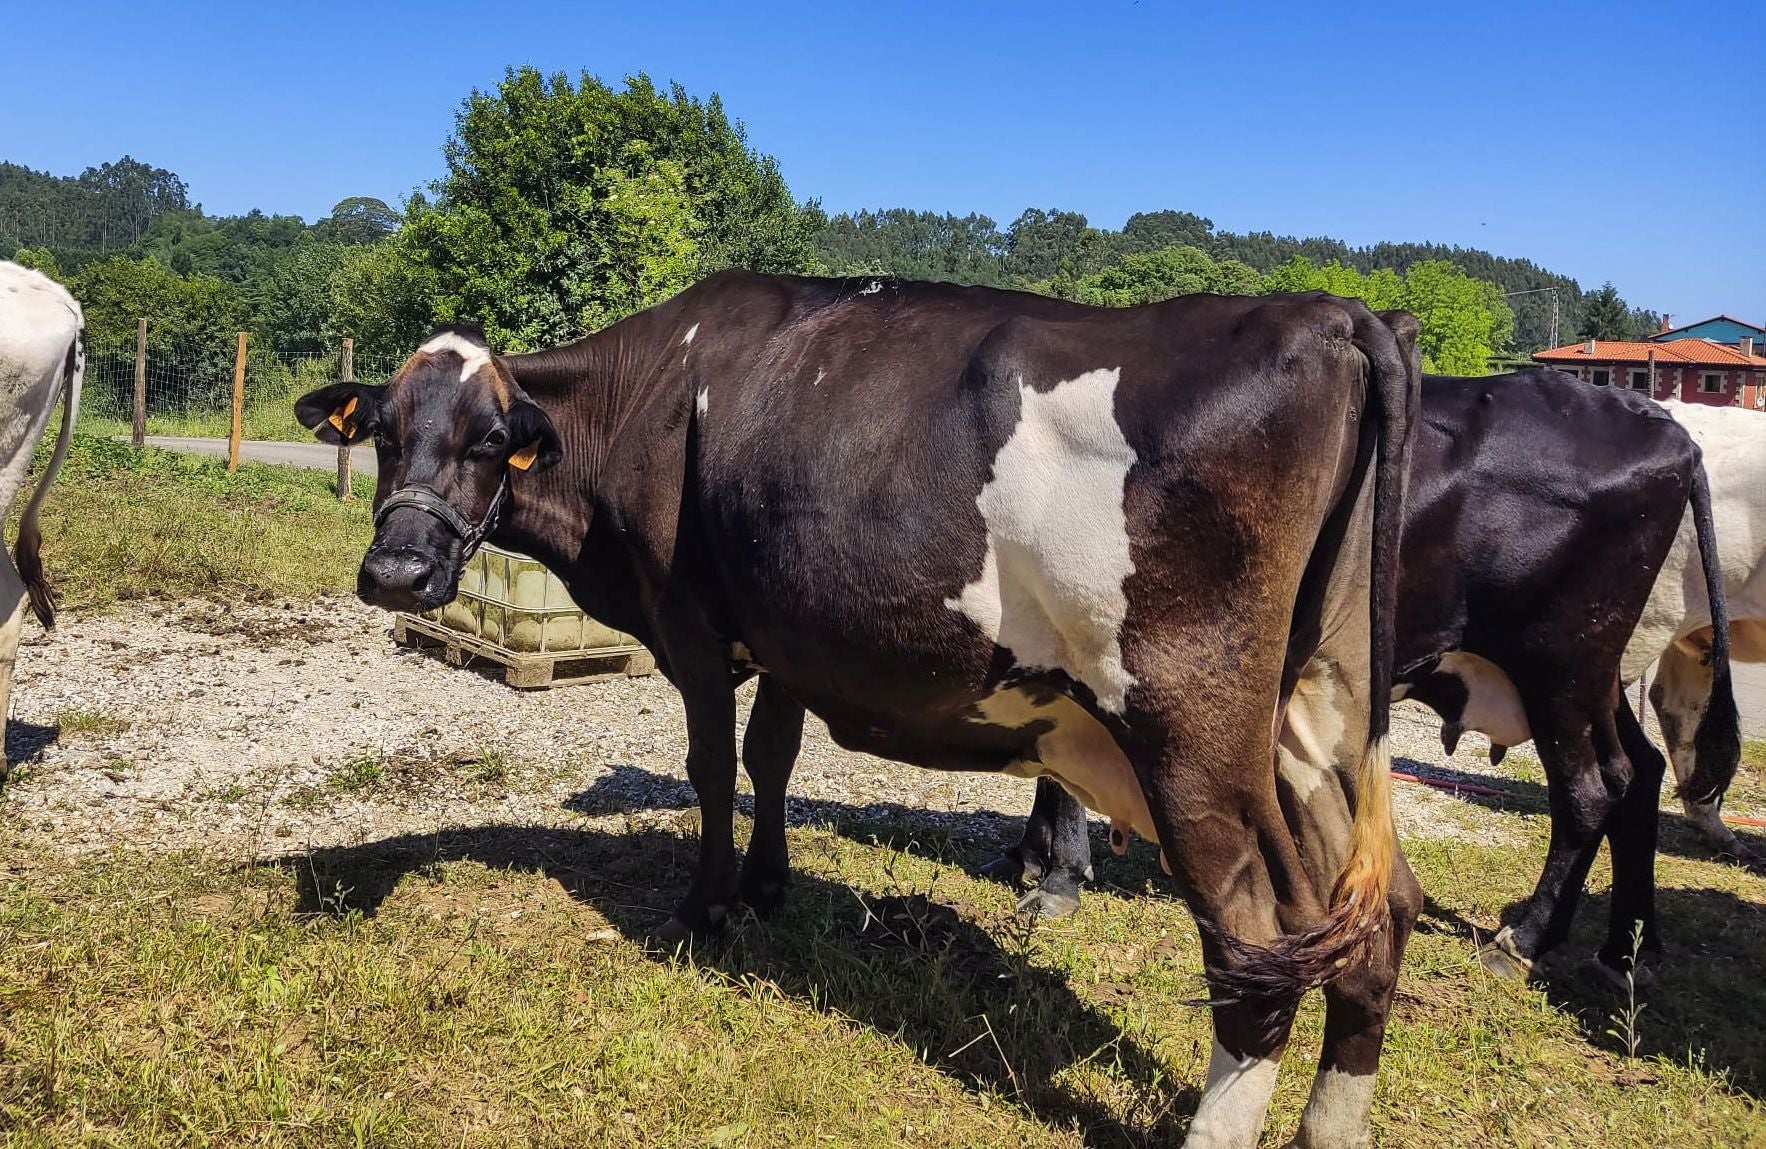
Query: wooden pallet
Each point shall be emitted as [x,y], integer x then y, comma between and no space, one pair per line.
[524,670]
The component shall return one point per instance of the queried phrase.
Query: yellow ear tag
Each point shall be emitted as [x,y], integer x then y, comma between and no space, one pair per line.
[523,459]
[340,418]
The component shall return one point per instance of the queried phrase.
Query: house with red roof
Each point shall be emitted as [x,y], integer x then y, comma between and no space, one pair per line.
[1718,329]
[1690,370]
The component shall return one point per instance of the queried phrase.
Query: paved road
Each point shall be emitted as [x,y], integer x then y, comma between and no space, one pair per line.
[1750,679]
[314,456]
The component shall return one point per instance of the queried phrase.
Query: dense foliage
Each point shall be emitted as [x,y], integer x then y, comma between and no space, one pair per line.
[568,204]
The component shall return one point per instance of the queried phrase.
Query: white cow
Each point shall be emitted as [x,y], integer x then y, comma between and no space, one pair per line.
[42,356]
[1675,630]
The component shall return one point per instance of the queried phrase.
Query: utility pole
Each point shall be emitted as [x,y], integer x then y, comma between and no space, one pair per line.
[1553,292]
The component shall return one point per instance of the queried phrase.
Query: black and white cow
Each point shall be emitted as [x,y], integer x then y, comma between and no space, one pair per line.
[1675,631]
[1539,515]
[980,530]
[42,359]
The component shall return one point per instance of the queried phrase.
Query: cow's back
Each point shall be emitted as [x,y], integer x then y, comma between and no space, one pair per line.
[39,324]
[890,468]
[1526,496]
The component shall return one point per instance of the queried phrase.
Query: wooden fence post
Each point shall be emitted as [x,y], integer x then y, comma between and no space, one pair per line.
[138,429]
[238,405]
[346,373]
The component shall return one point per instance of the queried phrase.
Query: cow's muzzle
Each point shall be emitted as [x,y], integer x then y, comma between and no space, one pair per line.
[403,576]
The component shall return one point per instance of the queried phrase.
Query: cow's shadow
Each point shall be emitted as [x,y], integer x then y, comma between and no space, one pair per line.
[1707,1004]
[26,741]
[967,999]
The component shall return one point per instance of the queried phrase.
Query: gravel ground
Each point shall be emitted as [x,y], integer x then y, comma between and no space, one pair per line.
[257,731]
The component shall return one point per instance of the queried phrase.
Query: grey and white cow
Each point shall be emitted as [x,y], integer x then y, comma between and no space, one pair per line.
[1675,630]
[42,357]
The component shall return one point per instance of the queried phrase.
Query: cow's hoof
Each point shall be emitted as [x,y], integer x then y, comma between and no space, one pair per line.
[1613,977]
[671,936]
[765,892]
[1006,868]
[1503,959]
[1044,902]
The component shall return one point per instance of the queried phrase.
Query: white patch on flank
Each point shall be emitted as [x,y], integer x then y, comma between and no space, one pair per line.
[1493,705]
[703,402]
[820,375]
[1337,1111]
[1078,753]
[1233,1102]
[472,356]
[1050,588]
[872,288]
[1306,752]
[688,337]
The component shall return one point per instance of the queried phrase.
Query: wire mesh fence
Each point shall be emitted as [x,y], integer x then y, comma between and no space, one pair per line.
[189,387]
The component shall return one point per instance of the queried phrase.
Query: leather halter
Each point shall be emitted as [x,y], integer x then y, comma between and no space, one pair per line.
[420,497]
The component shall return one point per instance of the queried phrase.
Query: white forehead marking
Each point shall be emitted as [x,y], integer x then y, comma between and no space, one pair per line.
[472,356]
[703,402]
[688,337]
[1050,588]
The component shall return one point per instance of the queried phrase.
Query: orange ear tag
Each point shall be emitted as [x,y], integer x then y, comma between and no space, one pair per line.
[523,459]
[340,418]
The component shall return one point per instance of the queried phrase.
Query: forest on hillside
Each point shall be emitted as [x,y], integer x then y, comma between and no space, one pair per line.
[569,203]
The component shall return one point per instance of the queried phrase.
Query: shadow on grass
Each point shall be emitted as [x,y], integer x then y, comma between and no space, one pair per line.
[967,1000]
[1708,1004]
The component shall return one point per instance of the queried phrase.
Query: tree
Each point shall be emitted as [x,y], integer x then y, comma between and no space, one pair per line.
[1148,277]
[383,297]
[358,219]
[568,206]
[1605,316]
[40,258]
[1040,244]
[914,245]
[191,326]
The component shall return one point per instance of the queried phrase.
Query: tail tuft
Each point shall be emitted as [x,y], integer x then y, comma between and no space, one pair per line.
[1717,742]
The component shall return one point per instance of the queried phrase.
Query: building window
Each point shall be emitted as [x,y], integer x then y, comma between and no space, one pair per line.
[1640,380]
[1602,377]
[1711,383]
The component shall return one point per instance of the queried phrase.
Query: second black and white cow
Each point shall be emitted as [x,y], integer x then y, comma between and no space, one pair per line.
[982,530]
[1540,513]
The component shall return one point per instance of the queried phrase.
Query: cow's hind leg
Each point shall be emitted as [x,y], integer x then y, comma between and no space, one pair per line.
[1632,836]
[1586,776]
[12,611]
[1053,856]
[1679,694]
[769,751]
[1320,747]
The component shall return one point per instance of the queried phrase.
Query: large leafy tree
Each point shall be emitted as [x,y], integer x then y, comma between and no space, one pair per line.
[358,219]
[191,325]
[1605,316]
[569,205]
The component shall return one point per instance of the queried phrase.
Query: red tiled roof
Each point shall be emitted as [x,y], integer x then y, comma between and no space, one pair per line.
[1697,351]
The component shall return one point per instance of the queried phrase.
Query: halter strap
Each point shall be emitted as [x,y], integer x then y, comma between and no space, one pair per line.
[422,498]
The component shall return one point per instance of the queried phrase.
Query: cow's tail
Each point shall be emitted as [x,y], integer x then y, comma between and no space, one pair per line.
[27,552]
[1359,911]
[1717,743]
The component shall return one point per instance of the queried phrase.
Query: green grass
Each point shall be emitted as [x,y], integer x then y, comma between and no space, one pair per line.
[77,723]
[486,987]
[123,524]
[359,772]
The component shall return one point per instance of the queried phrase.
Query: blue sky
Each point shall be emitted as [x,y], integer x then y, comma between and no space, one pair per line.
[1621,141]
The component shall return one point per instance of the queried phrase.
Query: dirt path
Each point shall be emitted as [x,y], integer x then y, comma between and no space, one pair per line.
[260,731]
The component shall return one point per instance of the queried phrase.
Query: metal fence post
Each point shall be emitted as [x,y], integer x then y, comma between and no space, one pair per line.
[238,405]
[346,373]
[138,428]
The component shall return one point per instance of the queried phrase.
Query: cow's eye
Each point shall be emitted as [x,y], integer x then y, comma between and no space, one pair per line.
[494,442]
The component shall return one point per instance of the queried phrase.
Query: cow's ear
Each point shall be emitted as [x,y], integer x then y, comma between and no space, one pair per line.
[342,412]
[533,443]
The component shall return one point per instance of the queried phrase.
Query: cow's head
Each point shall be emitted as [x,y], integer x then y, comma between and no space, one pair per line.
[451,428]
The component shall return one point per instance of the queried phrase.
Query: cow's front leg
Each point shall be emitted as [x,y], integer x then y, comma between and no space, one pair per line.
[1053,856]
[711,766]
[769,751]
